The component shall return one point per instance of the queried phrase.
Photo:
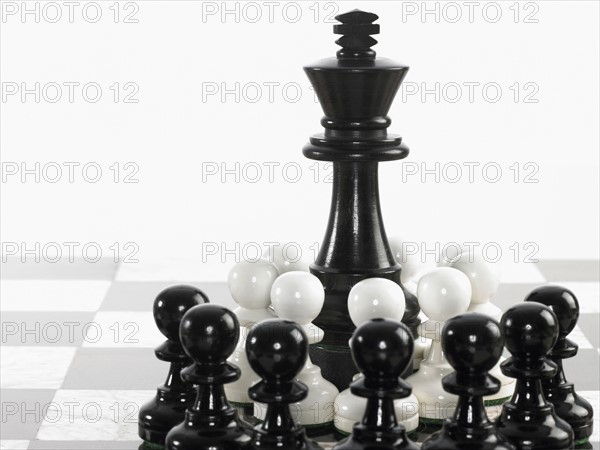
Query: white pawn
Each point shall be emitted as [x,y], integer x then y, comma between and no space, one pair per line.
[414,264]
[450,253]
[250,286]
[443,293]
[287,258]
[375,298]
[484,278]
[299,296]
[371,299]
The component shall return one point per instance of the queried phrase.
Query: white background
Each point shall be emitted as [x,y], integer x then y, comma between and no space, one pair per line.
[542,55]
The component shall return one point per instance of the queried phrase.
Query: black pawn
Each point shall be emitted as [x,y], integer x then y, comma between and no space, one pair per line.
[167,408]
[209,334]
[528,420]
[472,344]
[569,406]
[381,349]
[277,351]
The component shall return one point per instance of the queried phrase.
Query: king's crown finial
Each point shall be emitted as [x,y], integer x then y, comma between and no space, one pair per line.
[356,27]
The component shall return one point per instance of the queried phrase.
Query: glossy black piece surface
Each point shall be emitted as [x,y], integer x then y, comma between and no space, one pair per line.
[528,420]
[472,344]
[355,140]
[381,349]
[209,334]
[167,408]
[569,406]
[277,350]
[170,306]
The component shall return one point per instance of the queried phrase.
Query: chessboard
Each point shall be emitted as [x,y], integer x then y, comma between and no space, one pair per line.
[77,358]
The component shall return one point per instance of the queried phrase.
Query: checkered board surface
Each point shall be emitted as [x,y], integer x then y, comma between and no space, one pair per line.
[77,356]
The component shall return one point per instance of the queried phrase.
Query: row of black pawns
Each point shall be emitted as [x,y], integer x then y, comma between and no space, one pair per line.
[191,412]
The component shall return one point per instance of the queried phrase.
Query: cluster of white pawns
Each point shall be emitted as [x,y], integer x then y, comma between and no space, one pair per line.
[276,287]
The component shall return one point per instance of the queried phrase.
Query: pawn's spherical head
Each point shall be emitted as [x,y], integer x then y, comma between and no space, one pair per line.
[408,255]
[375,298]
[170,306]
[209,333]
[449,254]
[472,342]
[277,349]
[382,348]
[297,296]
[562,302]
[483,275]
[250,283]
[286,258]
[443,293]
[530,329]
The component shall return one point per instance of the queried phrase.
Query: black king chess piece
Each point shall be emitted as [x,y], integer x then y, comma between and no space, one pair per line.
[381,349]
[569,406]
[209,334]
[167,408]
[355,91]
[528,420]
[277,351]
[472,344]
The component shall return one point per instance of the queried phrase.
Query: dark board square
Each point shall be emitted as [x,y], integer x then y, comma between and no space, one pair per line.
[115,368]
[140,295]
[583,270]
